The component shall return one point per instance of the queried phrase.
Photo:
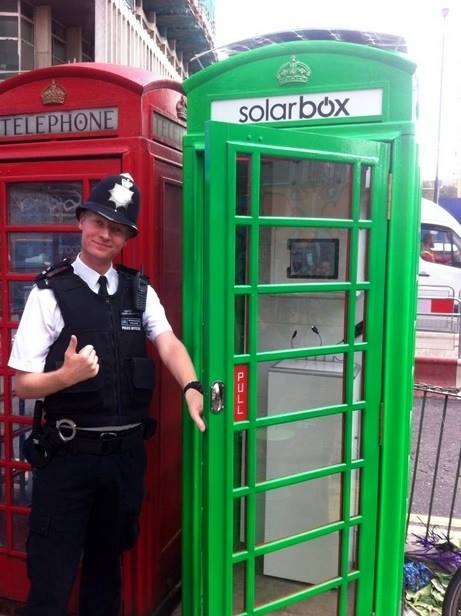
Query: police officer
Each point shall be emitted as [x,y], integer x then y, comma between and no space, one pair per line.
[80,346]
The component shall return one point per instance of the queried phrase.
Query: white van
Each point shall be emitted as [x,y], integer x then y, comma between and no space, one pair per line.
[440,254]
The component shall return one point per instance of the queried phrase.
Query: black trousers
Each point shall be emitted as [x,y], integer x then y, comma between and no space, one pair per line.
[84,506]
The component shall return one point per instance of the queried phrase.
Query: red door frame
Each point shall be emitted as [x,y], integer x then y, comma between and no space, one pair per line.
[12,557]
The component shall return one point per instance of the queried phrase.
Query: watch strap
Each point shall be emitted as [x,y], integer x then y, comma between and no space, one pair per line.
[193,385]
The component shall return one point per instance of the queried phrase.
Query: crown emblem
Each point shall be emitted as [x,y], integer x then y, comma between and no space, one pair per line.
[293,71]
[181,108]
[54,94]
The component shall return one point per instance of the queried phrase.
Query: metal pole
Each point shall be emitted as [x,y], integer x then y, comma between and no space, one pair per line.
[445,12]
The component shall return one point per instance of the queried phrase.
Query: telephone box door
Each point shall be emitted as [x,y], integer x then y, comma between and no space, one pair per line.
[37,228]
[294,279]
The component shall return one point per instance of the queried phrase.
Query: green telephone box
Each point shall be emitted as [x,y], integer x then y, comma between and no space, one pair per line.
[301,217]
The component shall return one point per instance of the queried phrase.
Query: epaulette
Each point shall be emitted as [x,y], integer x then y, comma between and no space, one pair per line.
[56,269]
[128,270]
[139,284]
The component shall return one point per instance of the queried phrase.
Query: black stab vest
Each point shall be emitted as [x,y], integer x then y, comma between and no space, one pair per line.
[121,391]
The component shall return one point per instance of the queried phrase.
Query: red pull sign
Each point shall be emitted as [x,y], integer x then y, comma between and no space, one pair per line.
[241,392]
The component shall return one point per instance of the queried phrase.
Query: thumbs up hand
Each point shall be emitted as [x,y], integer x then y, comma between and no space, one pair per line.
[79,366]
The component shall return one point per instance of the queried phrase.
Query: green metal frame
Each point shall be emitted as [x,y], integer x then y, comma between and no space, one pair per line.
[209,248]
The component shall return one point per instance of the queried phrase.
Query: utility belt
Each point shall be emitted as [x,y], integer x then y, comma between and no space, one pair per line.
[64,436]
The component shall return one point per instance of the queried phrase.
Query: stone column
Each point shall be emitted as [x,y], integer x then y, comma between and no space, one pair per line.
[74,44]
[42,34]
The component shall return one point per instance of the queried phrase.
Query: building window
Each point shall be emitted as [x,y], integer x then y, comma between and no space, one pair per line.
[87,50]
[27,49]
[9,57]
[9,26]
[16,38]
[58,43]
[9,6]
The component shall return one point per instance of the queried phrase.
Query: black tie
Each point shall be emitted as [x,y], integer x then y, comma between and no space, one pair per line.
[103,287]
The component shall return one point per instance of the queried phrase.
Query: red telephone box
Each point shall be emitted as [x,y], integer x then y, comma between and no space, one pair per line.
[61,130]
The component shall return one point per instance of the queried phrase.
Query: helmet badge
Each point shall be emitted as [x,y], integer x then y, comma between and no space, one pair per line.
[121,194]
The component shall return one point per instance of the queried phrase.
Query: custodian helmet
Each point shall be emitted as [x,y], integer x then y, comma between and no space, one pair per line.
[116,198]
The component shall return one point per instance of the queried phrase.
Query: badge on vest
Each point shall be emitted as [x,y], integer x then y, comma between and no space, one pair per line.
[131,321]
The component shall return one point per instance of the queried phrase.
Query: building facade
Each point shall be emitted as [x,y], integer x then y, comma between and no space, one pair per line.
[157,35]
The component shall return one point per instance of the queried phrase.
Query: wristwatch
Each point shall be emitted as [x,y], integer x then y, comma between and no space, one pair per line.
[193,385]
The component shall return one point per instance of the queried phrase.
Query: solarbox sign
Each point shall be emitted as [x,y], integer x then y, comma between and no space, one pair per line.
[292,108]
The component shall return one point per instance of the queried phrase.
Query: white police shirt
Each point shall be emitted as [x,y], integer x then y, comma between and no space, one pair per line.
[42,322]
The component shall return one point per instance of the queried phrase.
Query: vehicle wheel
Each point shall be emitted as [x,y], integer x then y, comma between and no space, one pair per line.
[452,600]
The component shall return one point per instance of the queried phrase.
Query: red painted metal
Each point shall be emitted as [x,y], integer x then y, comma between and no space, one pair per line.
[443,305]
[241,392]
[155,162]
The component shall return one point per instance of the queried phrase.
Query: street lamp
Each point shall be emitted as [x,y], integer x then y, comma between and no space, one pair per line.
[445,12]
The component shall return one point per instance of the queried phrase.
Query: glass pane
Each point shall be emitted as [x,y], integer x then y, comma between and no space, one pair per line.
[9,56]
[58,51]
[2,440]
[87,50]
[296,255]
[9,6]
[27,10]
[305,188]
[365,193]
[2,482]
[298,508]
[440,245]
[22,407]
[240,511]
[239,583]
[299,446]
[19,292]
[2,394]
[362,264]
[27,56]
[43,203]
[33,252]
[295,320]
[241,324]
[242,253]
[8,26]
[19,433]
[352,598]
[360,309]
[243,192]
[58,29]
[356,448]
[358,393]
[240,459]
[27,31]
[353,544]
[355,492]
[300,384]
[20,531]
[325,604]
[295,568]
[2,528]
[22,487]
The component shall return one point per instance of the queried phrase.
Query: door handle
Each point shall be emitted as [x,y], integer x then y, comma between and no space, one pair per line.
[424,274]
[217,397]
